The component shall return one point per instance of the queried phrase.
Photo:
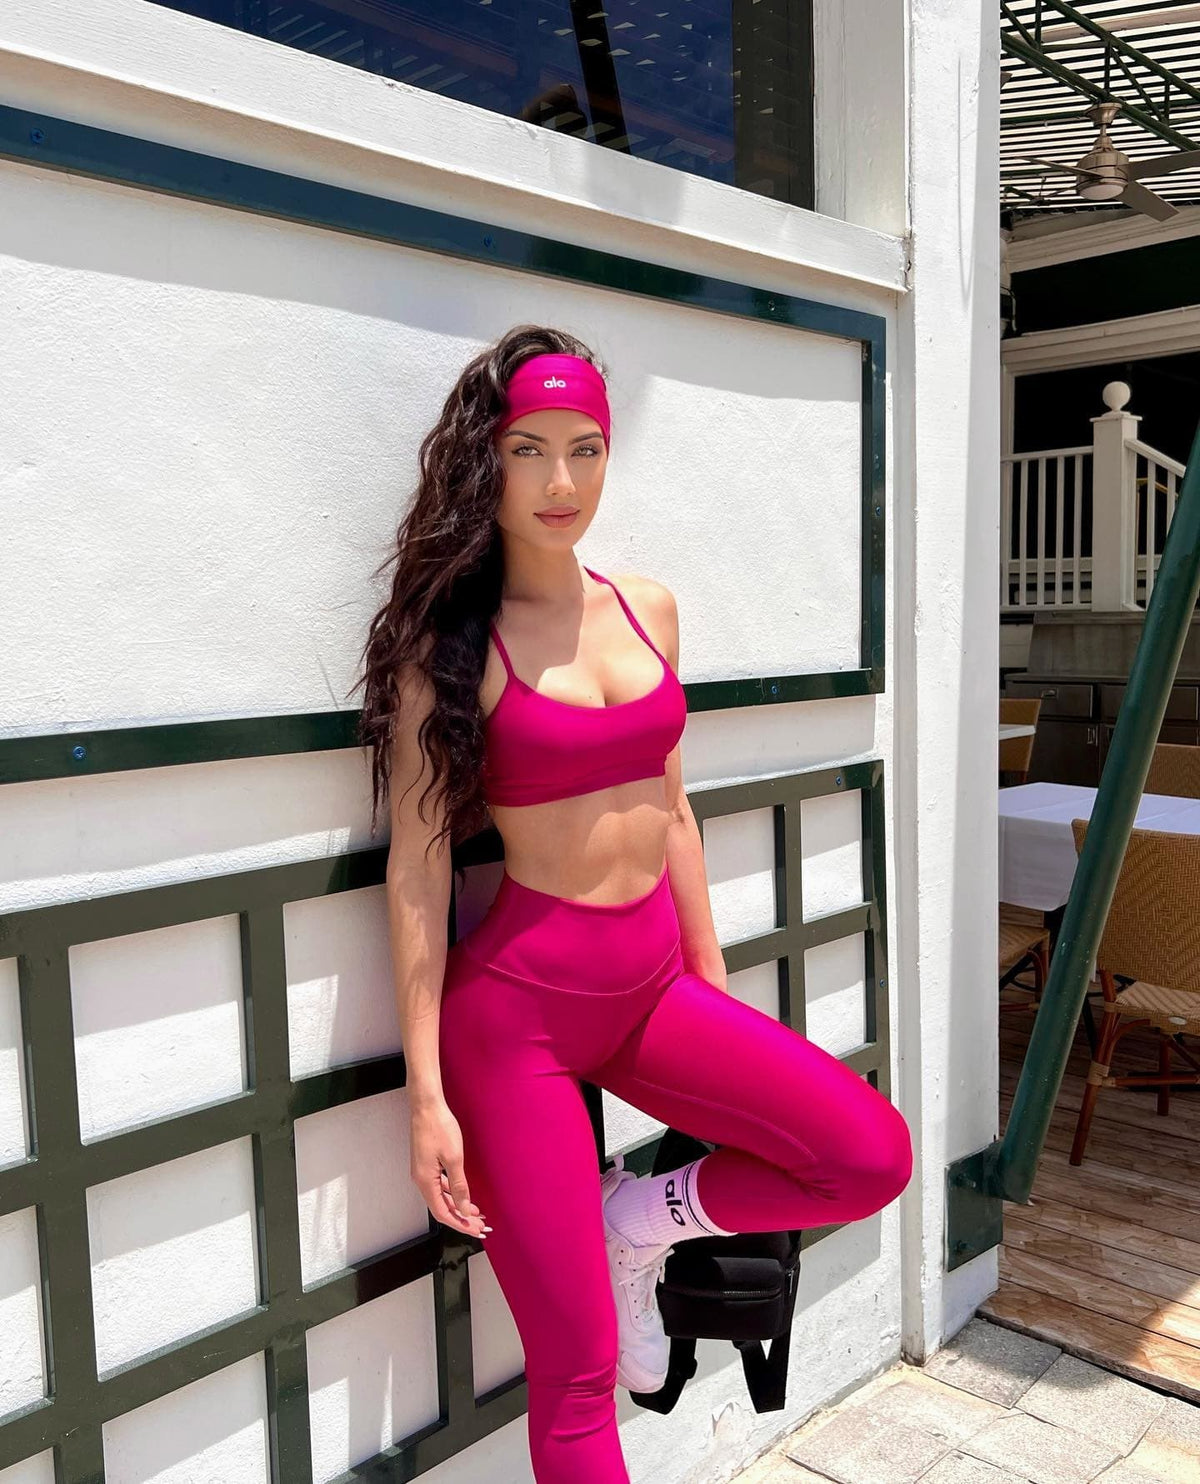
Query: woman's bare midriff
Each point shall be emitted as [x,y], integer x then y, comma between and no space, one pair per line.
[601,847]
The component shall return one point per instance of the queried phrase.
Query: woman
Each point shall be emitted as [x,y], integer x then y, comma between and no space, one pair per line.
[505,679]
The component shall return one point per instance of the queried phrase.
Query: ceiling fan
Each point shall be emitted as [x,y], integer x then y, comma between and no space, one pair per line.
[1106,174]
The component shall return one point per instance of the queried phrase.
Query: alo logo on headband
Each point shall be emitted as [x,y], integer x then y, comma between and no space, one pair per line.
[552,381]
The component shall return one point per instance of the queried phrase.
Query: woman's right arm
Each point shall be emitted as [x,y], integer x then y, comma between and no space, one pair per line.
[418,897]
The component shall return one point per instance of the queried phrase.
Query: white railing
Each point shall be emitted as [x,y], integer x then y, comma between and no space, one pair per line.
[1045,516]
[1083,528]
[1155,490]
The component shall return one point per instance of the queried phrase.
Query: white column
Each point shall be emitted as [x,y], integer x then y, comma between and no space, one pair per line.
[947,655]
[1114,512]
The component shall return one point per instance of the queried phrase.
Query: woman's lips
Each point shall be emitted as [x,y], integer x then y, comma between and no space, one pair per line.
[549,518]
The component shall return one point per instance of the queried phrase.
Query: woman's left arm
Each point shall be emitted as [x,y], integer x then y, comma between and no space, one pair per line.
[685,847]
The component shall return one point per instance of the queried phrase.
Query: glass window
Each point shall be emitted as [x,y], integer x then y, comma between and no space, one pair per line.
[719,88]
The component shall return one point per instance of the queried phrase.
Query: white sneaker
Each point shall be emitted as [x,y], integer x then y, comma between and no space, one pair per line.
[644,1349]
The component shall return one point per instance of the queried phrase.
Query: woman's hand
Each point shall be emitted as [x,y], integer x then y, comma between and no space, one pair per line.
[437,1168]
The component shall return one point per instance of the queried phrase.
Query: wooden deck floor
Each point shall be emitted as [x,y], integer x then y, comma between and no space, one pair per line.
[1105,1258]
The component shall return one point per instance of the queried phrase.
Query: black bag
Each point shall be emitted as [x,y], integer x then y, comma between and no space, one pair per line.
[740,1288]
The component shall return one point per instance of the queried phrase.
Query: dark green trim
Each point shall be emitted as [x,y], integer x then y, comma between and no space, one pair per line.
[169,744]
[102,154]
[978,1183]
[81,149]
[71,754]
[55,1177]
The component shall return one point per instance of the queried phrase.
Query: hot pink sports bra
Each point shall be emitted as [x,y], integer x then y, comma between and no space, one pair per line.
[540,749]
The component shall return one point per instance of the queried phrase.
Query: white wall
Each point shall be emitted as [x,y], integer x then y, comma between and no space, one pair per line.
[213,420]
[240,394]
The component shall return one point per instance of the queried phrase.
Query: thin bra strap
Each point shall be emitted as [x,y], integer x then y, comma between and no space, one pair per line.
[501,648]
[629,613]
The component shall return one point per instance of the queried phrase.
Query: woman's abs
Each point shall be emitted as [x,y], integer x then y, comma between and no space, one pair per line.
[602,847]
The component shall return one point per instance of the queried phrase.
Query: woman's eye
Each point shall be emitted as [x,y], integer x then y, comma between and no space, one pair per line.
[589,448]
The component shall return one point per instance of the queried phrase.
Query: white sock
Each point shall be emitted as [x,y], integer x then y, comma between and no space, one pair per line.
[656,1210]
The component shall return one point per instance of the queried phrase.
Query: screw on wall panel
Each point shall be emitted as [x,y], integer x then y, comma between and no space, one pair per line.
[774,690]
[960,1245]
[838,780]
[79,753]
[879,510]
[489,241]
[36,135]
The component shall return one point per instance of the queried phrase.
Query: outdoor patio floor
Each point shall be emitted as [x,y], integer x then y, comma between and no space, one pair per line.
[992,1407]
[1104,1260]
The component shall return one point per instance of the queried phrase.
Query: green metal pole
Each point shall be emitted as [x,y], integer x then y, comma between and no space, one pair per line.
[1168,617]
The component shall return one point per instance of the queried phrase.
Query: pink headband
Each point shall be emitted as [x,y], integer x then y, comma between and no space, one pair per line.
[556,381]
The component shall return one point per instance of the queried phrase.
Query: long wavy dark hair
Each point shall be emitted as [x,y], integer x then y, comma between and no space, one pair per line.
[446,585]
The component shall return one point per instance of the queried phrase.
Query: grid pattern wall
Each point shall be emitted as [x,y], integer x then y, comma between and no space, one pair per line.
[75,1170]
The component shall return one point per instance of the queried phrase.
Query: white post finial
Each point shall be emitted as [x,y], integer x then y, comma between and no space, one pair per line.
[1116,396]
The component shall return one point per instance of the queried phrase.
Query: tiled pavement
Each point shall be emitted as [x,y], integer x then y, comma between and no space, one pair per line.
[993,1407]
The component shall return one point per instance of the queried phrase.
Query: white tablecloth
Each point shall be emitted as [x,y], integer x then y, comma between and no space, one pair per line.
[1037,848]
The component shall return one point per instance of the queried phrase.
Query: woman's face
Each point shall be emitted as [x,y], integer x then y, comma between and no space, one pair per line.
[554,461]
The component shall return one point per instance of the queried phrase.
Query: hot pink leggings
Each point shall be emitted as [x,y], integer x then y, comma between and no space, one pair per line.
[546,991]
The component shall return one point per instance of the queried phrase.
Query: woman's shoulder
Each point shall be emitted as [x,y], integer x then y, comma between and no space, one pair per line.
[656,595]
[654,604]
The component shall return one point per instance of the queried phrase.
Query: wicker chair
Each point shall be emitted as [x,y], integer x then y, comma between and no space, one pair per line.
[1175,770]
[1152,937]
[1017,753]
[1024,942]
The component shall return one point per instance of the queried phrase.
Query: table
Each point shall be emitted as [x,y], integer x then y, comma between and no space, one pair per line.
[1011,729]
[1037,847]
[1037,844]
